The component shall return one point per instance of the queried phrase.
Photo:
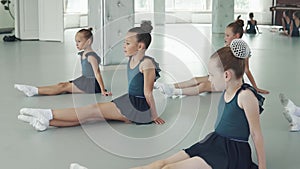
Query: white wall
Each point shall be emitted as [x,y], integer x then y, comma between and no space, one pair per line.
[75,20]
[5,19]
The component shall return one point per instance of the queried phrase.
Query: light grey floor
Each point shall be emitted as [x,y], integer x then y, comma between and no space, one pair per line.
[182,51]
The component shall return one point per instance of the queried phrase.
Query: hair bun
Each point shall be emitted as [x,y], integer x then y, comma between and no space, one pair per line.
[146,26]
[240,48]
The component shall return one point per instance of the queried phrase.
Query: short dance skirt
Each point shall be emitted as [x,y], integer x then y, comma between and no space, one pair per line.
[223,153]
[135,109]
[88,85]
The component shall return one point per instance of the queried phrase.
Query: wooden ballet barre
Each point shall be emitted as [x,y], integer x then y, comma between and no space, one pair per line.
[274,8]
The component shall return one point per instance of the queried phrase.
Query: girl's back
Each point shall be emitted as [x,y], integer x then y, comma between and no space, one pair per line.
[296,26]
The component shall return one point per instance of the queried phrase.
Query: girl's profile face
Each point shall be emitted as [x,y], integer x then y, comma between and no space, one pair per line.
[229,36]
[80,41]
[216,75]
[130,45]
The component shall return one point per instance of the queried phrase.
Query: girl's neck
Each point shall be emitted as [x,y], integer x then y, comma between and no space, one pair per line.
[233,86]
[138,56]
[87,49]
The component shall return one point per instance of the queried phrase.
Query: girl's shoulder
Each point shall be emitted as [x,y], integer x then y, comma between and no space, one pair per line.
[247,92]
[93,54]
[147,58]
[149,62]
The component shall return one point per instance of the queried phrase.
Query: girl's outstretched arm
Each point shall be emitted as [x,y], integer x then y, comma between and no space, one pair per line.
[148,69]
[249,103]
[98,75]
[256,26]
[246,27]
[283,24]
[291,28]
[251,78]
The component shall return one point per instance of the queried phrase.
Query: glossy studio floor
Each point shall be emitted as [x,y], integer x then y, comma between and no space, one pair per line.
[182,51]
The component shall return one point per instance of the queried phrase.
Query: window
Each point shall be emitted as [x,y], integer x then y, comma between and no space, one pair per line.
[196,5]
[188,5]
[76,6]
[142,5]
[241,5]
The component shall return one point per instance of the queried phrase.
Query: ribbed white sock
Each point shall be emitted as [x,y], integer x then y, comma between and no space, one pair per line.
[297,112]
[287,103]
[177,91]
[46,113]
[38,124]
[27,90]
[291,106]
[77,166]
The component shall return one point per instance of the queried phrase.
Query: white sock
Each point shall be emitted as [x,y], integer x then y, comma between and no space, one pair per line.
[290,106]
[27,90]
[177,91]
[167,89]
[157,85]
[38,113]
[297,112]
[287,103]
[77,166]
[38,124]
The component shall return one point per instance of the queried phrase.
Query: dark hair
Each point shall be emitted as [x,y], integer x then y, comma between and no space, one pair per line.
[143,33]
[251,15]
[228,61]
[297,14]
[239,21]
[287,12]
[236,28]
[87,33]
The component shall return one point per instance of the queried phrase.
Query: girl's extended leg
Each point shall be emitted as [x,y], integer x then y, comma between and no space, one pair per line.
[48,90]
[290,112]
[202,87]
[194,162]
[59,89]
[191,87]
[40,119]
[191,83]
[180,156]
[99,111]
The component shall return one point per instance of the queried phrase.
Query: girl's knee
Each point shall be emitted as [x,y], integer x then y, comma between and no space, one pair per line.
[159,164]
[204,87]
[197,159]
[201,162]
[196,80]
[63,85]
[168,166]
